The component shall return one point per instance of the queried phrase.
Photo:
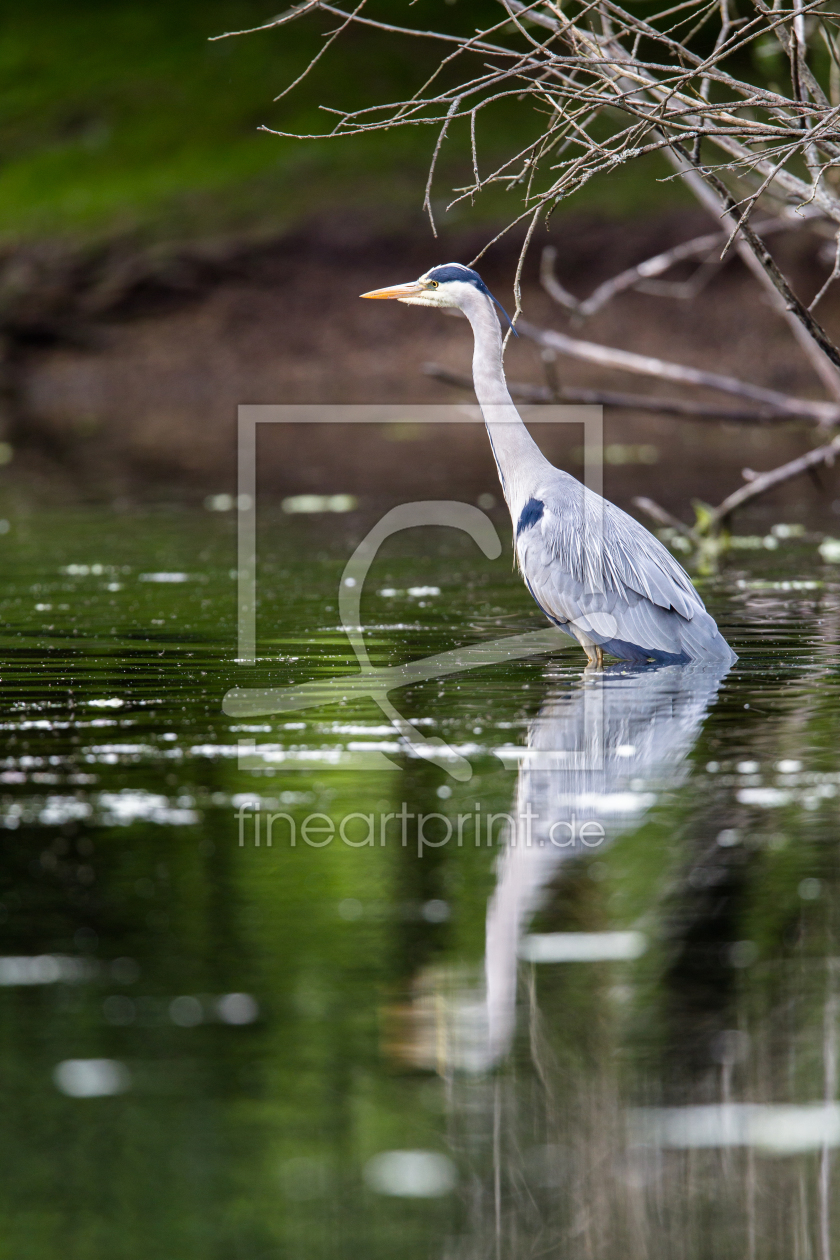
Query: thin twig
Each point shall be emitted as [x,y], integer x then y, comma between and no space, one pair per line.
[835,272]
[643,271]
[709,198]
[427,200]
[765,258]
[289,16]
[328,43]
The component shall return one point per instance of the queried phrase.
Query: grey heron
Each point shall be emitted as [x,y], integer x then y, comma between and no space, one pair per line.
[593,570]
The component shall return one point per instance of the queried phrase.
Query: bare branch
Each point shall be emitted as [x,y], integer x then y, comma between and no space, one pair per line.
[765,258]
[319,54]
[517,283]
[710,199]
[822,413]
[699,247]
[610,398]
[835,272]
[764,482]
[427,200]
[288,16]
[662,517]
[757,484]
[552,285]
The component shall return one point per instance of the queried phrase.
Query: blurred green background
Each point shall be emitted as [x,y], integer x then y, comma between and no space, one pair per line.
[125,117]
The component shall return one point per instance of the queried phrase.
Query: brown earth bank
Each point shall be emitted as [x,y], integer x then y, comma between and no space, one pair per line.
[123,372]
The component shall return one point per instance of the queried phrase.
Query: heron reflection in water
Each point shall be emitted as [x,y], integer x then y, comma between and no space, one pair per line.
[545,1170]
[596,757]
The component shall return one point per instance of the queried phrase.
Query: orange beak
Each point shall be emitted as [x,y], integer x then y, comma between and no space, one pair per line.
[395,291]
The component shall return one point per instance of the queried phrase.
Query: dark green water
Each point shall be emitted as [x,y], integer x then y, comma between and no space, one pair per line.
[273,1019]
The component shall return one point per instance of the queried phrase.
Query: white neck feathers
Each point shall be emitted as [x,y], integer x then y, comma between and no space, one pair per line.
[517,455]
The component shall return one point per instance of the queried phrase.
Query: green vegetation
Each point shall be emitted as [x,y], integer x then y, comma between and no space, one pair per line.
[123,118]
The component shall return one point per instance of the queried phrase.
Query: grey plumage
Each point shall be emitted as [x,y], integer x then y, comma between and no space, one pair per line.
[595,571]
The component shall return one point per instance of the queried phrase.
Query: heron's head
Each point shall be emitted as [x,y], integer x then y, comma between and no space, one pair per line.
[452,285]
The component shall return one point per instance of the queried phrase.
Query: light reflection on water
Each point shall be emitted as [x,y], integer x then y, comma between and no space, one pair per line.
[260,1051]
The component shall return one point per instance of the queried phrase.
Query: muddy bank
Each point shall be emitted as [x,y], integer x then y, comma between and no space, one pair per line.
[124,371]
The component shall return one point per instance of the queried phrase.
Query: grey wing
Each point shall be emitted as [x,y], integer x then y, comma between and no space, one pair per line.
[600,574]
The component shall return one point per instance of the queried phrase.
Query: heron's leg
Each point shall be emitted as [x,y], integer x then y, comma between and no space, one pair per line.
[596,656]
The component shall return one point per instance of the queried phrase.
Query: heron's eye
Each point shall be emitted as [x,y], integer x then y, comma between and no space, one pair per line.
[432,284]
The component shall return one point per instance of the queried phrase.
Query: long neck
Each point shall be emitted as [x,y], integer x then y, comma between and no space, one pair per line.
[517,455]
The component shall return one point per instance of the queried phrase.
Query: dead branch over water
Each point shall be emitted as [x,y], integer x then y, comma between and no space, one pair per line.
[756,485]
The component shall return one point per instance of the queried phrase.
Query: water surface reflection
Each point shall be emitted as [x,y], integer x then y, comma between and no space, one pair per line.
[669,1088]
[595,757]
[209,1049]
